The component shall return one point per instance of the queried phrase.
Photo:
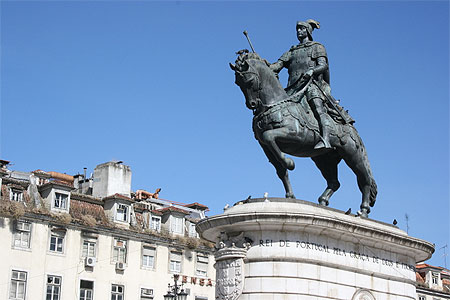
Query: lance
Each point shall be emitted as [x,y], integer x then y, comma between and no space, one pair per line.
[248,39]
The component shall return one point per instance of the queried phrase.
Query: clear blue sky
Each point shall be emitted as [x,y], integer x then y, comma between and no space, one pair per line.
[148,83]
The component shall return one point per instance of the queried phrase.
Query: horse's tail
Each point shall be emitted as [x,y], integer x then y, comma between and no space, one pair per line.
[373,192]
[362,156]
[365,159]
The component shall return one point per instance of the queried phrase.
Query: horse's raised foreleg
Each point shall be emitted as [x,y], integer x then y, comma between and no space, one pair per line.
[327,164]
[269,138]
[281,171]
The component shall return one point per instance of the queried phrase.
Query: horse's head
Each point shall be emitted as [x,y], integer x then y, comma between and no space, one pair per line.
[248,77]
[257,81]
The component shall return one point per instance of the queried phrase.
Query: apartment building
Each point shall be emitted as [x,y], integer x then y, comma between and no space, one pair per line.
[433,283]
[78,237]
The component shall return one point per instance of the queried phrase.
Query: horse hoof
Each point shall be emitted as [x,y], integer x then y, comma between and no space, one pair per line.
[362,213]
[290,165]
[323,202]
[290,195]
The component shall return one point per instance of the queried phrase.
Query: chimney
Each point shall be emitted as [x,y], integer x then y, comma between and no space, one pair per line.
[111,178]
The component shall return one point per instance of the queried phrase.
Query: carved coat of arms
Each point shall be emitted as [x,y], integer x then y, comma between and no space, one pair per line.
[229,280]
[230,266]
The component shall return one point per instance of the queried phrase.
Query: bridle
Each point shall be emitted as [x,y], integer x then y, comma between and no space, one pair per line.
[257,89]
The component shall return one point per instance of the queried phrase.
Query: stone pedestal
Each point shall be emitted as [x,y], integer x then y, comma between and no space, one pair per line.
[292,249]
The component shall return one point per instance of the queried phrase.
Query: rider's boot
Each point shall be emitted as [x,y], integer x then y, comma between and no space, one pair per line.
[324,129]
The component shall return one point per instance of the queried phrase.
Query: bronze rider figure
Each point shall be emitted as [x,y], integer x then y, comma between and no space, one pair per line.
[303,61]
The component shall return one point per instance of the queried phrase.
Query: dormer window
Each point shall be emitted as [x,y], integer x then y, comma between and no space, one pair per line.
[156,223]
[176,224]
[192,231]
[435,278]
[61,201]
[122,212]
[16,195]
[56,196]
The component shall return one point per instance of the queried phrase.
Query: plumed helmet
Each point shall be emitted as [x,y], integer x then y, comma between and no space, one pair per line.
[310,25]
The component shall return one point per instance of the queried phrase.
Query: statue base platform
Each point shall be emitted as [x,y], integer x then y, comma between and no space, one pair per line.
[276,248]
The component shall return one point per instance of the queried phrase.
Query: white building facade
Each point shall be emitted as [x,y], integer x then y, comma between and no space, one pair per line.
[59,241]
[433,283]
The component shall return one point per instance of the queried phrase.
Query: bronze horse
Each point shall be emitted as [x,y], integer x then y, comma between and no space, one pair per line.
[284,124]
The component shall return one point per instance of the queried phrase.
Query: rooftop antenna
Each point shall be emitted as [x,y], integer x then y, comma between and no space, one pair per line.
[445,254]
[407,223]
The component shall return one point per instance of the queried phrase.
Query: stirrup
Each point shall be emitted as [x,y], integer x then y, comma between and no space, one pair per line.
[322,144]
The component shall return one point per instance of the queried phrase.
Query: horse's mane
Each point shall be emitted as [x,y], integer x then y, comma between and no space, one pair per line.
[244,55]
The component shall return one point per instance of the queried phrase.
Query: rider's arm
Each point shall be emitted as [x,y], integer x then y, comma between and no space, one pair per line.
[281,63]
[277,66]
[319,54]
[321,67]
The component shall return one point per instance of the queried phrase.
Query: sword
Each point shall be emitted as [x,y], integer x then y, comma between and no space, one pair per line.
[330,101]
[248,39]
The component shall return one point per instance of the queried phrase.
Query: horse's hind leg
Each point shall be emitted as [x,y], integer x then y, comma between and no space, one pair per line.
[327,164]
[282,172]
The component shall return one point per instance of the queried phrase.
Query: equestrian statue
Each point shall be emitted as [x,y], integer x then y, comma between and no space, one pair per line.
[303,119]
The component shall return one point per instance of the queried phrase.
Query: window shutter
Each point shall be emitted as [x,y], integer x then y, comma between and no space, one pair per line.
[148,251]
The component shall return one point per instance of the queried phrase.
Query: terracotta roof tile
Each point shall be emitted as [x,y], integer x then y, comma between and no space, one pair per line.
[421,266]
[157,212]
[196,205]
[58,182]
[78,209]
[118,196]
[84,197]
[173,209]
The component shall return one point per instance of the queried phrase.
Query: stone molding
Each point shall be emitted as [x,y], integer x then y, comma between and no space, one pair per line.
[230,253]
[313,219]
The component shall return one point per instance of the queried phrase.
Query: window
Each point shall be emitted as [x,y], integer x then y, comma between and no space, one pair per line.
[422,297]
[146,294]
[18,285]
[53,287]
[435,278]
[16,195]
[117,292]
[202,265]
[86,289]
[57,241]
[156,224]
[176,225]
[192,231]
[61,201]
[122,213]
[119,250]
[175,262]
[148,257]
[22,235]
[88,248]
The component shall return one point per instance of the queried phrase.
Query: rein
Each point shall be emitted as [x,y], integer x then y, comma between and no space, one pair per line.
[288,99]
[258,89]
